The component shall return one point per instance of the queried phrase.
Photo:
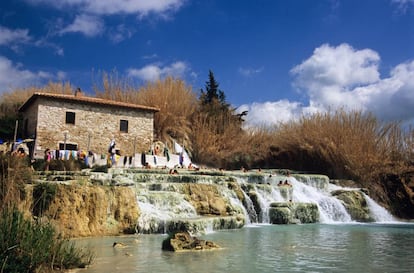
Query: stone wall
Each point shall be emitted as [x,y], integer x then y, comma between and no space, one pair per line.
[94,126]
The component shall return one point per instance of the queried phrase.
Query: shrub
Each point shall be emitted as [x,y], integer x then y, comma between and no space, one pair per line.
[43,195]
[26,246]
[14,174]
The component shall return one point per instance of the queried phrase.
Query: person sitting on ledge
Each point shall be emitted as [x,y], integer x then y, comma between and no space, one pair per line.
[173,171]
[280,183]
[287,184]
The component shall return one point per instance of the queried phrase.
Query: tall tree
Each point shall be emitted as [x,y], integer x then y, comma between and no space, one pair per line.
[214,106]
[212,94]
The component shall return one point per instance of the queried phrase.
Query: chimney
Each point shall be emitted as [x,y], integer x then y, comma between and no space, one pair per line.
[78,92]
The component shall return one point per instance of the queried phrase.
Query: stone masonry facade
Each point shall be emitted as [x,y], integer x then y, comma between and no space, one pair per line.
[92,124]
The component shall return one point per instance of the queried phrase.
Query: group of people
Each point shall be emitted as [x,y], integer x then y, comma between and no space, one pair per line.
[286,183]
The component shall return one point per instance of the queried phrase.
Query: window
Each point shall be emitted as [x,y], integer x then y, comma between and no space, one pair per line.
[123,126]
[70,117]
[69,146]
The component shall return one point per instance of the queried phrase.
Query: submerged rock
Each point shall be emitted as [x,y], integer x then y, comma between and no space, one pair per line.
[183,241]
[293,213]
[118,245]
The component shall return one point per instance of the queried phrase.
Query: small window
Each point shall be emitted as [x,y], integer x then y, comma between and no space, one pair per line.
[69,146]
[123,126]
[70,117]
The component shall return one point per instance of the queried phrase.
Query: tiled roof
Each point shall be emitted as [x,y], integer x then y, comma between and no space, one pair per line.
[85,99]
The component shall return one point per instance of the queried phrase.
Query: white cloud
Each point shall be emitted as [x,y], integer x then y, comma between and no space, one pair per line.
[403,4]
[343,77]
[9,36]
[247,72]
[14,37]
[268,113]
[88,25]
[14,76]
[110,7]
[120,33]
[90,18]
[154,72]
[337,66]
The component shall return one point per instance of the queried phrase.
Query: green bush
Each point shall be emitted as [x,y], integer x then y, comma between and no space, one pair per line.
[27,246]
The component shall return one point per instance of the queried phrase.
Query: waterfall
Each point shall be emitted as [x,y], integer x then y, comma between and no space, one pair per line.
[159,207]
[251,212]
[331,210]
[166,203]
[377,212]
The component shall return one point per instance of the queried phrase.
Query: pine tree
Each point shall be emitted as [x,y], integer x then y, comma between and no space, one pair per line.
[212,94]
[213,105]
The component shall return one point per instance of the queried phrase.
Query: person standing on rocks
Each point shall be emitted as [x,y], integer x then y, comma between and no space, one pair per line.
[111,151]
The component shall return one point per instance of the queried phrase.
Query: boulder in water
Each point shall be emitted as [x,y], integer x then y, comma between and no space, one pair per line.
[293,213]
[118,245]
[183,241]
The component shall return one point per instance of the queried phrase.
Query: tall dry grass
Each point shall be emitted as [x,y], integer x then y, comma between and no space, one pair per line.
[11,101]
[174,99]
[14,174]
[177,103]
[347,144]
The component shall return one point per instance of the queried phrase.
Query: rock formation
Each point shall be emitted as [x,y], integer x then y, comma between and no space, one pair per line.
[80,210]
[355,203]
[293,213]
[183,241]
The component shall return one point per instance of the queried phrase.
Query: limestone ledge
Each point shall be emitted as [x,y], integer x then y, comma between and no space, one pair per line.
[293,213]
[84,210]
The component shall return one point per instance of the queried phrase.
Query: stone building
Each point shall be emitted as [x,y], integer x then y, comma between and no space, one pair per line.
[78,122]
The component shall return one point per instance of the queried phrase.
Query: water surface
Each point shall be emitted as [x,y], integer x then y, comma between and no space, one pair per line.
[267,248]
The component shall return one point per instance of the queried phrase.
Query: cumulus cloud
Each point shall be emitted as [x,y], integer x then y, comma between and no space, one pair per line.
[155,72]
[15,76]
[269,113]
[86,24]
[337,66]
[347,78]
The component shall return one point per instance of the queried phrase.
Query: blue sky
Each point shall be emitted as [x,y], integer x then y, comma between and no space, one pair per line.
[278,59]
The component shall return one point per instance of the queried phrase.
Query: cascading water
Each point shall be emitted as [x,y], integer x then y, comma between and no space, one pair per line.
[378,213]
[331,210]
[157,207]
[165,202]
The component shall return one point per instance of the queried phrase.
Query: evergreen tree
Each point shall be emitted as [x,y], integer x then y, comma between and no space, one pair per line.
[213,105]
[212,94]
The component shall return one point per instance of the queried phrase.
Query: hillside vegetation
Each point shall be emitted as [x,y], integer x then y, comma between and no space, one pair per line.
[340,144]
